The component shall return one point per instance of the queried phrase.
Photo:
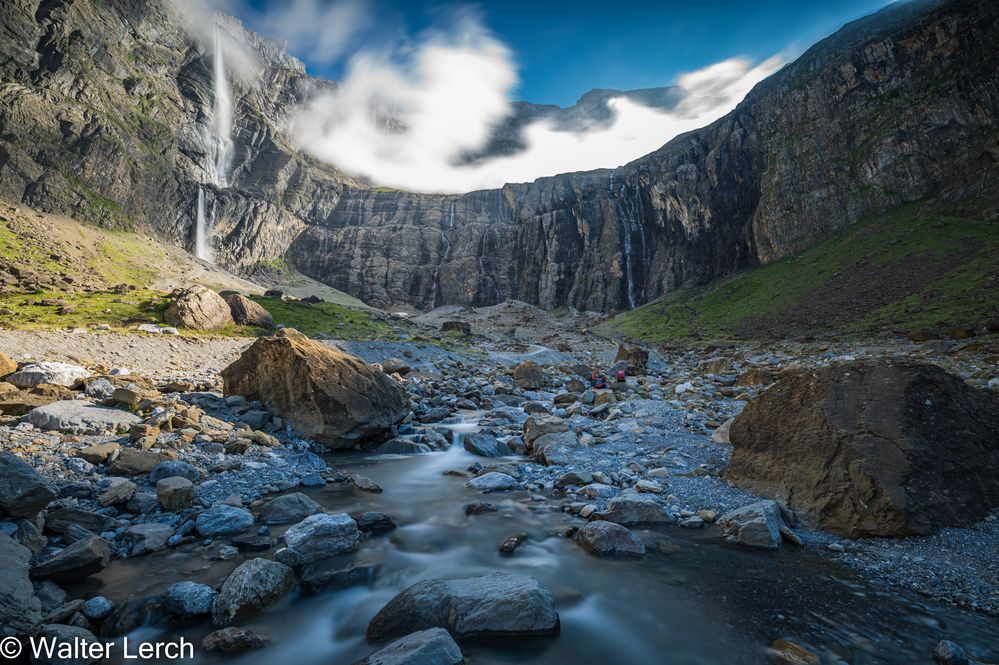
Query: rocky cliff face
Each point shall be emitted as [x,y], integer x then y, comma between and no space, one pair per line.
[104,110]
[895,107]
[104,103]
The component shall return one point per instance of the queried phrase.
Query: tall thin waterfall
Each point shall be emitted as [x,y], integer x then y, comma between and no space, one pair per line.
[443,259]
[221,127]
[218,138]
[202,248]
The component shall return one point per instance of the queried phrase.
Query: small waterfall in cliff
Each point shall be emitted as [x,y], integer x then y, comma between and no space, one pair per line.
[218,138]
[443,259]
[627,220]
[202,248]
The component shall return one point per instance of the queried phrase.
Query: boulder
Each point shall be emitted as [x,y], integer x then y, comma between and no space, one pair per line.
[457,326]
[634,508]
[555,449]
[120,492]
[755,525]
[493,481]
[529,375]
[134,462]
[320,536]
[173,469]
[59,374]
[246,312]
[433,646]
[636,359]
[374,522]
[493,606]
[254,585]
[7,365]
[62,634]
[485,445]
[23,493]
[222,520]
[175,493]
[326,394]
[395,366]
[81,417]
[723,433]
[608,539]
[189,599]
[233,639]
[99,453]
[147,537]
[539,425]
[61,519]
[288,509]
[198,308]
[20,609]
[400,446]
[81,559]
[872,447]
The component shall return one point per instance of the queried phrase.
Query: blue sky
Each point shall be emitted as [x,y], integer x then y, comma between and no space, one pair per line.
[564,48]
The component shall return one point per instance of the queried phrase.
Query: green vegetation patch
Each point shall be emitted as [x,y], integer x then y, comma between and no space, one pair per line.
[935,270]
[328,319]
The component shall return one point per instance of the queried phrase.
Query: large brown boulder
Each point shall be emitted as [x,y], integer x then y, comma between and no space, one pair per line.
[326,394]
[7,365]
[529,375]
[245,312]
[637,359]
[198,308]
[872,448]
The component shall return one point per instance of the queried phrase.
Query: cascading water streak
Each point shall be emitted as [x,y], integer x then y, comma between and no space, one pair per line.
[218,139]
[444,257]
[202,248]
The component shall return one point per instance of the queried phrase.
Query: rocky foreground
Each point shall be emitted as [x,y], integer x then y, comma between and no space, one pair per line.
[880,457]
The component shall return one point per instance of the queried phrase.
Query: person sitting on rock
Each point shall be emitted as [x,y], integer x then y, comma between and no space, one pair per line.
[598,380]
[620,376]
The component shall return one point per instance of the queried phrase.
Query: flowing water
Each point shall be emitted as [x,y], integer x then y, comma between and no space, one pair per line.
[218,138]
[202,247]
[692,600]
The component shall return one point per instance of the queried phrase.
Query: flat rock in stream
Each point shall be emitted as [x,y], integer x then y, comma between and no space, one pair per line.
[289,508]
[484,444]
[496,605]
[320,536]
[609,539]
[630,507]
[223,519]
[492,482]
[433,646]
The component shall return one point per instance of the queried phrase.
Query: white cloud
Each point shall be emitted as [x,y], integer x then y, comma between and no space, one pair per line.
[323,31]
[406,123]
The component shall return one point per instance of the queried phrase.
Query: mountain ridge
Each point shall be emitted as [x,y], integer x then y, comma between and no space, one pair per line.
[894,107]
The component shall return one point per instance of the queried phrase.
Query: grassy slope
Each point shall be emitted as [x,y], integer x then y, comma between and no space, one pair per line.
[98,259]
[933,271]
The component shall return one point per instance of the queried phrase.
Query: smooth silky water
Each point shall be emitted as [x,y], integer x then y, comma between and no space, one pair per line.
[692,599]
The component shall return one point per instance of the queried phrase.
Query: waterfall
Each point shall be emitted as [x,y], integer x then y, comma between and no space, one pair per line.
[627,213]
[218,139]
[202,248]
[443,259]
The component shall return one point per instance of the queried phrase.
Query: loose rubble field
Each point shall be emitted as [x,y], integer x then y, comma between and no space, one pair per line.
[159,459]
